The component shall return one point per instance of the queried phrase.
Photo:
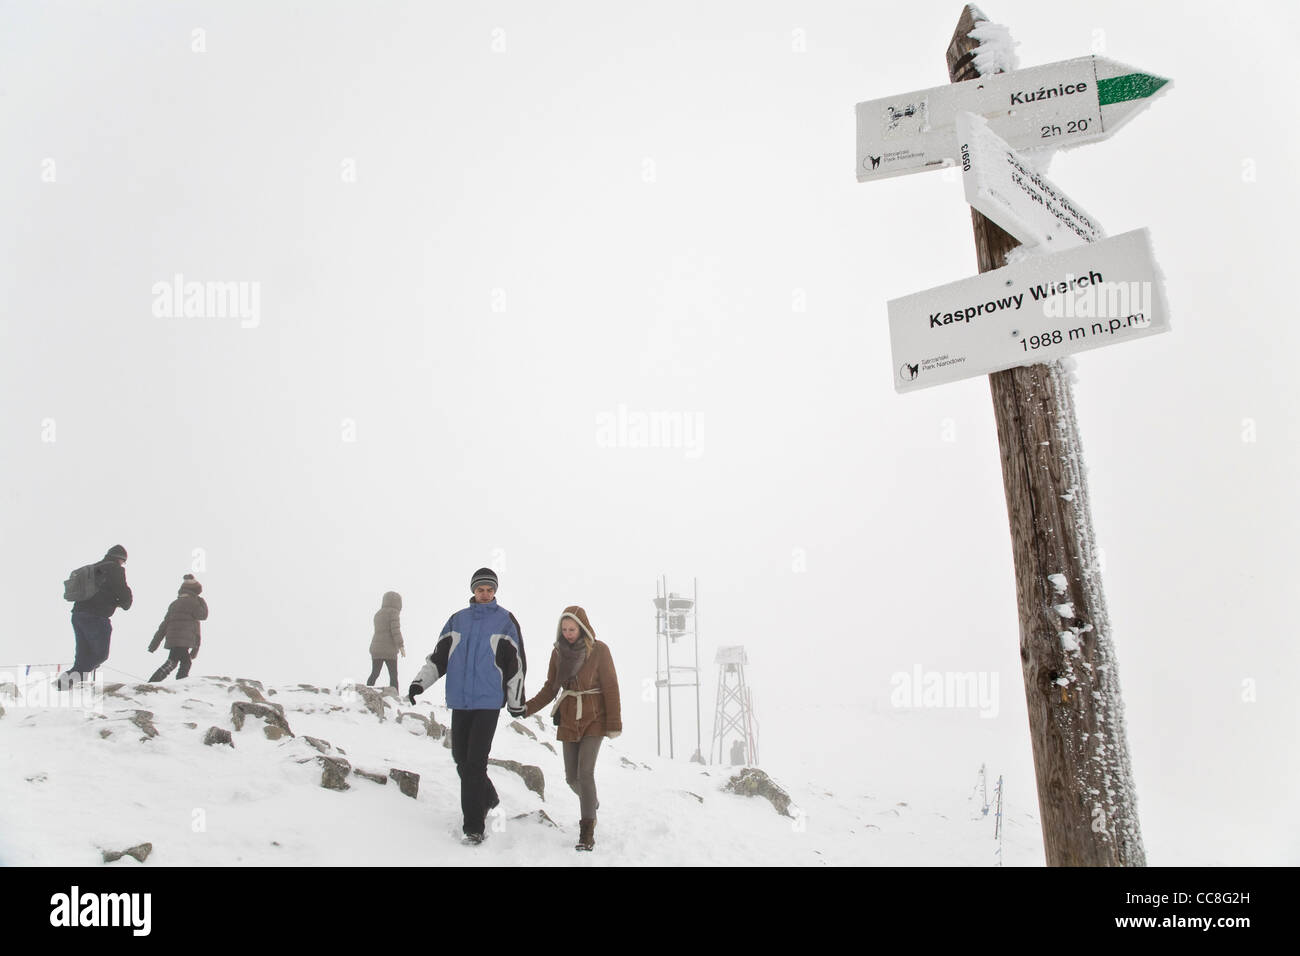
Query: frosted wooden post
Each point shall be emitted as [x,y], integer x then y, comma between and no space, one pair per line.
[1086,797]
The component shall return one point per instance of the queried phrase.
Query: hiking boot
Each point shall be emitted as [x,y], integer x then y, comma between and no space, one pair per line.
[472,839]
[586,835]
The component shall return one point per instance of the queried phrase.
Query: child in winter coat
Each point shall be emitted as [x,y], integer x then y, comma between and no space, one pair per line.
[180,629]
[582,675]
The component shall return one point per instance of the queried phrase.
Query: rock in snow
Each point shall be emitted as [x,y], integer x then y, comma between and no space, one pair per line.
[140,853]
[533,777]
[273,714]
[334,773]
[407,781]
[218,735]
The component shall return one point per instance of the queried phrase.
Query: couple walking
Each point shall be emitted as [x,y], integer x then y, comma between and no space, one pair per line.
[481,653]
[99,589]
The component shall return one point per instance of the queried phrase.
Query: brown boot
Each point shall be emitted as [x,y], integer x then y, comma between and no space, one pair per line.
[586,835]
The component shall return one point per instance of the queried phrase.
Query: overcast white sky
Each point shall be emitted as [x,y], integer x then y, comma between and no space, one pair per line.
[476,230]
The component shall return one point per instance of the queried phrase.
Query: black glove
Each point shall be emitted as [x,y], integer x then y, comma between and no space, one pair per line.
[412,691]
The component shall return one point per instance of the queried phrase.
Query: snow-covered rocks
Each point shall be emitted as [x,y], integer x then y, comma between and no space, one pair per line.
[276,725]
[532,776]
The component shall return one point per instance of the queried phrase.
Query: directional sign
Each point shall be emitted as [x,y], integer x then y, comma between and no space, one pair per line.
[1057,105]
[1036,310]
[1006,187]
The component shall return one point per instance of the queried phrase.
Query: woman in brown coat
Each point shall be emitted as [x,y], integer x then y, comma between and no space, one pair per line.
[387,641]
[582,676]
[180,628]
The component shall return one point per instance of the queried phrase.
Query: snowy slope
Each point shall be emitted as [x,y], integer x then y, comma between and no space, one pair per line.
[74,783]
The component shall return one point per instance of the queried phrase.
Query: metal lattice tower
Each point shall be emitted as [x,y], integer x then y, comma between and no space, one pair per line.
[735,709]
[675,619]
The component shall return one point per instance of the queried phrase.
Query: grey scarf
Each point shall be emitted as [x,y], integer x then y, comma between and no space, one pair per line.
[572,657]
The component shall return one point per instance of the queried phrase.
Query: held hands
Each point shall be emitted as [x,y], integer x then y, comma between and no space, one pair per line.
[517,711]
[613,733]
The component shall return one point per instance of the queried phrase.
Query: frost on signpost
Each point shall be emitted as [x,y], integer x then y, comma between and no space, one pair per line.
[1086,797]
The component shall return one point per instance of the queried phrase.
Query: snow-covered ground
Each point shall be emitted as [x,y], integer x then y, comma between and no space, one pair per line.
[75,782]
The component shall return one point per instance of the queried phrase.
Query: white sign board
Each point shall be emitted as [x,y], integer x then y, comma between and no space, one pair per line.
[1036,310]
[1052,106]
[1006,187]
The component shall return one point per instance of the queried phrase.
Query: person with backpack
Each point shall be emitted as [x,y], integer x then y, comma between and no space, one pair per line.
[387,641]
[180,629]
[481,653]
[588,710]
[96,590]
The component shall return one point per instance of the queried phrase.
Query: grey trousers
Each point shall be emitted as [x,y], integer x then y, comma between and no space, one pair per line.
[580,772]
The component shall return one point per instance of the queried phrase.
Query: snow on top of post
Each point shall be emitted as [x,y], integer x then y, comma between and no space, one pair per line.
[996,52]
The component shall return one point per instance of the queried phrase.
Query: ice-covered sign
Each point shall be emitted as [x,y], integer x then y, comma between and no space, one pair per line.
[1006,187]
[1036,310]
[1057,105]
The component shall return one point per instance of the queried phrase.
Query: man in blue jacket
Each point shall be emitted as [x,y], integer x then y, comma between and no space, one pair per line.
[481,653]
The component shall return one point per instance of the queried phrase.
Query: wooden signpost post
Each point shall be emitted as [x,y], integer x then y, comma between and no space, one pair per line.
[1086,795]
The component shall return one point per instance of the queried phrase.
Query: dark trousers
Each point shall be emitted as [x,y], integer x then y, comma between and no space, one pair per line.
[580,772]
[92,634]
[471,743]
[374,671]
[179,655]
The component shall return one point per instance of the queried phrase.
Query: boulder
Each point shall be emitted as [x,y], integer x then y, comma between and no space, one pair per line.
[438,732]
[144,720]
[312,690]
[519,728]
[532,776]
[334,773]
[152,689]
[38,778]
[10,689]
[624,762]
[372,697]
[415,720]
[687,793]
[218,735]
[322,745]
[191,725]
[752,782]
[547,745]
[140,853]
[375,777]
[110,690]
[250,682]
[408,781]
[276,726]
[248,690]
[105,733]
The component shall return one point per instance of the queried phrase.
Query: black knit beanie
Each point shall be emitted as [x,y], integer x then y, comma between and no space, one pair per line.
[483,576]
[116,553]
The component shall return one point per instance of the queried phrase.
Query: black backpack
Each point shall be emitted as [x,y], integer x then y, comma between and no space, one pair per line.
[81,584]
